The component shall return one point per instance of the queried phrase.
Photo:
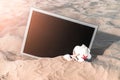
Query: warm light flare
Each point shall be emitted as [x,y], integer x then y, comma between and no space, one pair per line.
[12,14]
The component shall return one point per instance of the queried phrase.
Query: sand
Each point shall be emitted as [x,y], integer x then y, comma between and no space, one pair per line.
[105,64]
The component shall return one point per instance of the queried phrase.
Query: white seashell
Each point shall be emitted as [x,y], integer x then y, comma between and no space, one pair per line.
[67,57]
[81,51]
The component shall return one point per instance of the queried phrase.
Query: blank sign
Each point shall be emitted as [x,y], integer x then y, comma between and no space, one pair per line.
[51,35]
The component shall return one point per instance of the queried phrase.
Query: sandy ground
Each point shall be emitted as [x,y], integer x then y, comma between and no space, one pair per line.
[13,19]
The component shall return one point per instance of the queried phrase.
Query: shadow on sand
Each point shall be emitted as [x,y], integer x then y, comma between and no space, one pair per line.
[102,42]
